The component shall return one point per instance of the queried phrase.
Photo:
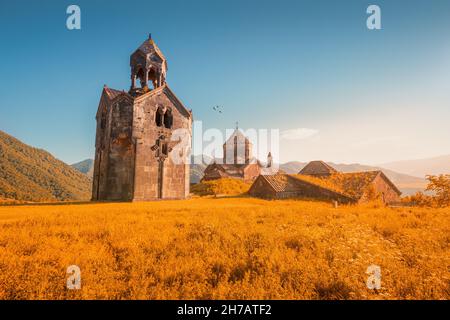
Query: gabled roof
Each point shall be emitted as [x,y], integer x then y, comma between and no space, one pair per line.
[216,174]
[230,168]
[165,88]
[348,186]
[250,165]
[176,101]
[318,168]
[216,171]
[357,182]
[352,184]
[388,181]
[112,93]
[149,47]
[241,138]
[291,183]
[280,182]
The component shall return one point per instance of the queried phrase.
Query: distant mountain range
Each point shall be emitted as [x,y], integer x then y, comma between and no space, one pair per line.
[406,183]
[85,166]
[421,167]
[32,174]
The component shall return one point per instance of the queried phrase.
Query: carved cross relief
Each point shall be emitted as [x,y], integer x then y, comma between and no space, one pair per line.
[162,150]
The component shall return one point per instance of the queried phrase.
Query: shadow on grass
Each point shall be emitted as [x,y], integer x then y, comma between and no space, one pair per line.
[224,196]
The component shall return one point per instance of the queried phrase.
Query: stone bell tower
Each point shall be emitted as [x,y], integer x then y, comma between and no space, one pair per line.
[148,64]
[143,136]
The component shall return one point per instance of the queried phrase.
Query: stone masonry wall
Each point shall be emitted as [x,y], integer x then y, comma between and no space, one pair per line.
[388,194]
[121,153]
[146,133]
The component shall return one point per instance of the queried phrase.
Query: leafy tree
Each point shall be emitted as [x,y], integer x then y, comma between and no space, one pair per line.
[440,186]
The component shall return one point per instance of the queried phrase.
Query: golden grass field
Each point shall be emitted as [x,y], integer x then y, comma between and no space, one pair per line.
[223,248]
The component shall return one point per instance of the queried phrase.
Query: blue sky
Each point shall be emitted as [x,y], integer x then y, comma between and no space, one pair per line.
[368,96]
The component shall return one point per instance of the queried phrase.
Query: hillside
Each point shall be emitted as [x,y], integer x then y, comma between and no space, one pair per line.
[421,167]
[85,166]
[32,174]
[198,166]
[292,167]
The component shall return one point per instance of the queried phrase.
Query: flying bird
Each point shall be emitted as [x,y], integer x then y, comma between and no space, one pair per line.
[218,109]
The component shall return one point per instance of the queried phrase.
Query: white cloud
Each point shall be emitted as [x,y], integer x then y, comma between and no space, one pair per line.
[298,133]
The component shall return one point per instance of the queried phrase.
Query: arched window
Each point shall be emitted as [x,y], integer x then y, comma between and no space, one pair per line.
[168,119]
[140,76]
[159,117]
[152,76]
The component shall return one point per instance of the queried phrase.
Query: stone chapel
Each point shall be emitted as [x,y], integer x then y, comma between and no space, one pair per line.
[143,135]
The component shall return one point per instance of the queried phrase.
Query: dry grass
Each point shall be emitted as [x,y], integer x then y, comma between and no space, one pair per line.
[223,248]
[224,186]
